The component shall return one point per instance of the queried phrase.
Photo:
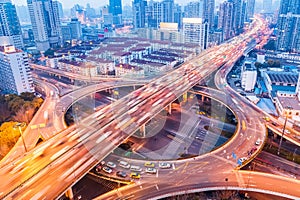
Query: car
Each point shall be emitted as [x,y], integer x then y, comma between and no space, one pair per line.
[107,170]
[243,159]
[135,168]
[151,170]
[121,174]
[111,164]
[257,142]
[135,175]
[149,164]
[164,165]
[287,131]
[198,138]
[124,164]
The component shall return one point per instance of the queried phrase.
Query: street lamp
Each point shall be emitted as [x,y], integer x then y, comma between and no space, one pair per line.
[283,130]
[20,126]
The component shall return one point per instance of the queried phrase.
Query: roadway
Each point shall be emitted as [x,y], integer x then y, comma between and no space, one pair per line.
[66,157]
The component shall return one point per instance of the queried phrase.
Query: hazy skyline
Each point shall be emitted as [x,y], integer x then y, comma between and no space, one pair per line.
[94,3]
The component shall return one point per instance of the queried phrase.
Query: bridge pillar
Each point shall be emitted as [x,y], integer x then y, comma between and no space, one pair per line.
[133,87]
[185,97]
[69,193]
[143,130]
[170,108]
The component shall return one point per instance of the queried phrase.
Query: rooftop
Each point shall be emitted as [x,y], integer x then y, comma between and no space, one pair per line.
[289,103]
[283,77]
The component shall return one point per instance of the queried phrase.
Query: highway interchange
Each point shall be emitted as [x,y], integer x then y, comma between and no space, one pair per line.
[67,156]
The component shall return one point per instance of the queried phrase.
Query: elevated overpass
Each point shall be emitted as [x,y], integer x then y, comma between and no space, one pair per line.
[68,156]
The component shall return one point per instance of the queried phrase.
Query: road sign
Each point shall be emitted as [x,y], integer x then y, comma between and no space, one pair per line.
[233,155]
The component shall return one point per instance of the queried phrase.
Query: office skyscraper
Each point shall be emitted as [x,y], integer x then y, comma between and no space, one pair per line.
[10,29]
[139,13]
[45,22]
[288,33]
[14,71]
[115,8]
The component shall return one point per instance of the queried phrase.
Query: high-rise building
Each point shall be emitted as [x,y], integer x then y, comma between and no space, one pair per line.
[10,29]
[60,10]
[238,22]
[139,12]
[225,19]
[154,14]
[250,9]
[209,10]
[178,15]
[194,9]
[76,30]
[168,10]
[115,8]
[45,22]
[267,6]
[14,71]
[288,37]
[23,14]
[195,30]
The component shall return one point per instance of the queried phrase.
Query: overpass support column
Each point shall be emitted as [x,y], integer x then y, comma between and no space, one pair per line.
[143,130]
[185,96]
[170,108]
[69,193]
[202,98]
[134,87]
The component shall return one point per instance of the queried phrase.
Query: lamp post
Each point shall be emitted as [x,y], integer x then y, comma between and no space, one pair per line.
[283,130]
[20,126]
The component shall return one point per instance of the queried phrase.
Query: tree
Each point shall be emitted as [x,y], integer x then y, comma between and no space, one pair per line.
[24,115]
[27,96]
[4,112]
[8,137]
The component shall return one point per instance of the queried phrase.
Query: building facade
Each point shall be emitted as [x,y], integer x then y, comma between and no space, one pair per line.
[45,20]
[248,76]
[10,28]
[139,13]
[115,8]
[288,37]
[225,20]
[196,31]
[14,71]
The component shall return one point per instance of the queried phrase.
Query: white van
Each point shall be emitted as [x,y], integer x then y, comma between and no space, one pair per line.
[135,168]
[124,164]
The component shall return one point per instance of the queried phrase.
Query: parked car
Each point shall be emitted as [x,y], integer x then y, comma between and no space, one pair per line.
[111,164]
[135,175]
[151,170]
[164,165]
[121,174]
[107,170]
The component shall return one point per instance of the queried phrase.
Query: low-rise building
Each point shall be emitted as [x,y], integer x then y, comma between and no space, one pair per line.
[248,75]
[129,70]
